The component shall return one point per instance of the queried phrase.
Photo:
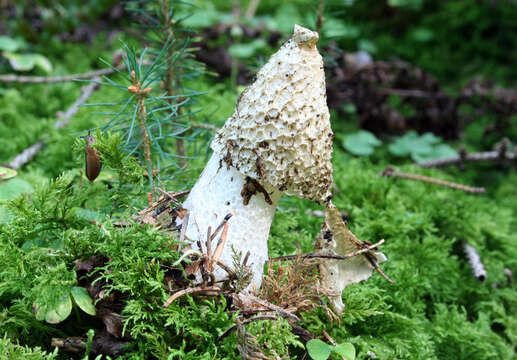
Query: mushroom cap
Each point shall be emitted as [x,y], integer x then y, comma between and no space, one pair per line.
[280,132]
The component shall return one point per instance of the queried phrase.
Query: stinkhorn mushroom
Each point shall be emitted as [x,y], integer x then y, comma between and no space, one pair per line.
[278,141]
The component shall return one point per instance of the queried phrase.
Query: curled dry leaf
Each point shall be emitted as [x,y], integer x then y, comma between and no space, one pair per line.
[335,238]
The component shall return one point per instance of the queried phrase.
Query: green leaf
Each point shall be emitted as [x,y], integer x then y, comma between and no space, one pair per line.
[412,143]
[437,152]
[20,62]
[430,138]
[412,4]
[60,311]
[349,108]
[42,62]
[422,34]
[334,28]
[367,45]
[7,173]
[361,143]
[83,300]
[27,62]
[243,51]
[8,44]
[345,349]
[318,350]
[39,311]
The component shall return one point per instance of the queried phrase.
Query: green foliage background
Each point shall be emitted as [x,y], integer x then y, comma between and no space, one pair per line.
[435,310]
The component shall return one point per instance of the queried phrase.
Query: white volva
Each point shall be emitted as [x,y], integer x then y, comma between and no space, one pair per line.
[278,140]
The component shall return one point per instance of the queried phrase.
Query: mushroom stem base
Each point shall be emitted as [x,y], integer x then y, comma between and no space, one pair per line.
[219,191]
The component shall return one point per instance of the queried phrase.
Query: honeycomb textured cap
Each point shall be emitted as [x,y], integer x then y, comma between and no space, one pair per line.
[280,132]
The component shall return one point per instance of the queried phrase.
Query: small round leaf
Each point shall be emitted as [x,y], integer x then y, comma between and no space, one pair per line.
[318,350]
[7,173]
[83,300]
[361,143]
[8,44]
[60,310]
[345,349]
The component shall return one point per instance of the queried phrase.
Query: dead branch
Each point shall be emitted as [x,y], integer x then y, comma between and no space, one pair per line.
[473,157]
[328,256]
[210,290]
[251,302]
[103,343]
[55,79]
[28,154]
[86,92]
[478,270]
[204,126]
[320,18]
[376,266]
[252,8]
[391,172]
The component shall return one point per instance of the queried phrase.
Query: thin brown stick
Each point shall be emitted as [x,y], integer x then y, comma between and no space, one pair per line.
[172,81]
[328,256]
[195,290]
[391,172]
[329,338]
[220,244]
[252,8]
[221,225]
[203,126]
[247,321]
[63,120]
[376,266]
[173,195]
[142,119]
[56,79]
[320,18]
[209,242]
[184,225]
[281,311]
[226,268]
[473,157]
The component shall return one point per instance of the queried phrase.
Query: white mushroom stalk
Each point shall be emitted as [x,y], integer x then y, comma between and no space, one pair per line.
[278,141]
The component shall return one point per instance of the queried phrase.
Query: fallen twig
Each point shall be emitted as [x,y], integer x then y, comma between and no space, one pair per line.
[474,157]
[252,7]
[251,301]
[194,290]
[28,154]
[391,172]
[478,270]
[204,126]
[56,79]
[220,246]
[328,256]
[319,17]
[221,225]
[376,266]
